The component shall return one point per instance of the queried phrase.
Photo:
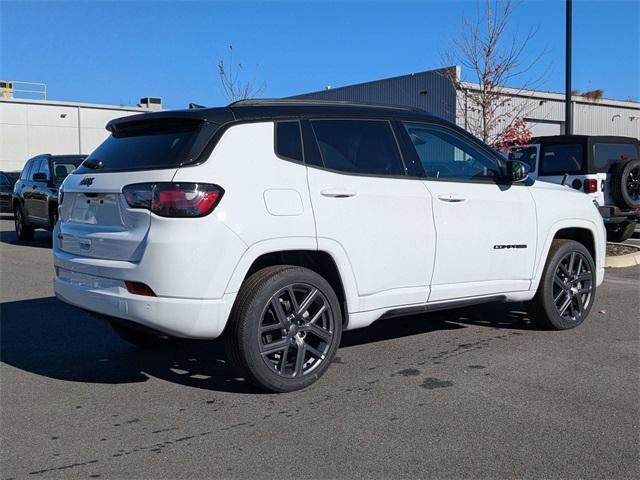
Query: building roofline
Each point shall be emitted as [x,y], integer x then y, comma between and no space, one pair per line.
[520,92]
[99,106]
[372,82]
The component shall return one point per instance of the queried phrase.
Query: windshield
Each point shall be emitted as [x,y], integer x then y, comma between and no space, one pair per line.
[144,145]
[12,176]
[63,166]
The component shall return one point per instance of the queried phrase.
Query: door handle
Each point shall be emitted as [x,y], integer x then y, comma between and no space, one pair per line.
[337,193]
[451,198]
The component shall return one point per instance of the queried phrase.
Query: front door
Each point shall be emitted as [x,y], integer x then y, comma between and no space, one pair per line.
[485,228]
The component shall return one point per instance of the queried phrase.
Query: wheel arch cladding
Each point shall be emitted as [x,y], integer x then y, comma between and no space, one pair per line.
[318,261]
[580,235]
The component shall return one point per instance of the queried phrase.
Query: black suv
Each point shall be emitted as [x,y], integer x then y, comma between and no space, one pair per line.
[7,181]
[35,194]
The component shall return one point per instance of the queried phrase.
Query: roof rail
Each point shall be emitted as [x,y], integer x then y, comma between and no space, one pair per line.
[305,101]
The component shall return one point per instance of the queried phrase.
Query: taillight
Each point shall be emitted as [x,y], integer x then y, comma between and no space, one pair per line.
[590,185]
[174,199]
[139,288]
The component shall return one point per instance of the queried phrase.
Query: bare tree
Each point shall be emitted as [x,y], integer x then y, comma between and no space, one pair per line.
[491,110]
[233,86]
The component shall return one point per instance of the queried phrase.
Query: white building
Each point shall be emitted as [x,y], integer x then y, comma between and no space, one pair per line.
[30,127]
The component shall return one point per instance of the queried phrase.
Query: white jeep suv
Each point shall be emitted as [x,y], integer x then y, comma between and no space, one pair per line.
[279,224]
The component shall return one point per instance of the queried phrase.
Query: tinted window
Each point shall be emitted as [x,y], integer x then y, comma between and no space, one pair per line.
[12,176]
[4,180]
[288,140]
[63,166]
[561,159]
[446,154]
[144,145]
[605,155]
[358,146]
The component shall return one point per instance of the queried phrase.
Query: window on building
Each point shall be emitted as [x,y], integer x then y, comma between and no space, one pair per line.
[358,146]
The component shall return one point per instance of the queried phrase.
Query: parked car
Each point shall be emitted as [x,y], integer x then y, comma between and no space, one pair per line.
[606,168]
[35,194]
[7,181]
[279,224]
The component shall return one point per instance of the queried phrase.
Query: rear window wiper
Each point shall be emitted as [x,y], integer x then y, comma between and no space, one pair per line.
[93,164]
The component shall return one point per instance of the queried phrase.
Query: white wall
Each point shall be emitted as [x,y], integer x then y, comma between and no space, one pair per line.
[29,128]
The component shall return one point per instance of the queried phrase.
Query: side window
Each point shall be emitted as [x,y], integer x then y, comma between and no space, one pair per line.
[358,146]
[606,155]
[288,141]
[562,158]
[447,154]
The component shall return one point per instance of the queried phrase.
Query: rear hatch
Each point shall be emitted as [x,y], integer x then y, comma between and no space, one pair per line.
[95,219]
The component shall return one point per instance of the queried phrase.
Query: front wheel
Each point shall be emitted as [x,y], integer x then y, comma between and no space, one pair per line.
[284,329]
[23,230]
[567,288]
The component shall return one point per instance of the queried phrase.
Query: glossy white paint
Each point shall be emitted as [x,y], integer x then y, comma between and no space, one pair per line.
[395,241]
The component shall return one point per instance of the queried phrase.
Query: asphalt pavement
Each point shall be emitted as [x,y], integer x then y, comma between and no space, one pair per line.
[473,393]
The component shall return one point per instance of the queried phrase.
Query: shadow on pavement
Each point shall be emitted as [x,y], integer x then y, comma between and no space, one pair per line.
[50,338]
[41,239]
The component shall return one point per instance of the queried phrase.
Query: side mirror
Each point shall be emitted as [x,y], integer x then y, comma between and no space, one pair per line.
[517,171]
[40,177]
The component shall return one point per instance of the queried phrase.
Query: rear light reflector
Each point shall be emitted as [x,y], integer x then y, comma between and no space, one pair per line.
[139,288]
[166,199]
[590,185]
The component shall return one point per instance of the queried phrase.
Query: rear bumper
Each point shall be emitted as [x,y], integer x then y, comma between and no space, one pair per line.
[613,215]
[179,317]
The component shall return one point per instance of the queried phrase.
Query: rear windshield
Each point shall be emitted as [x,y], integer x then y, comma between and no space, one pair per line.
[144,146]
[606,155]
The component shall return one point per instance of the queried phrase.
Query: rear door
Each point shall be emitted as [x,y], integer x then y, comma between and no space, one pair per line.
[365,205]
[95,218]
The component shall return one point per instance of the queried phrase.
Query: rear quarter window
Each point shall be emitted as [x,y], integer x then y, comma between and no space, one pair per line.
[562,158]
[606,155]
[288,141]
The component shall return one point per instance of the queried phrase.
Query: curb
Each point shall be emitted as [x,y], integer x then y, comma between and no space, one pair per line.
[621,261]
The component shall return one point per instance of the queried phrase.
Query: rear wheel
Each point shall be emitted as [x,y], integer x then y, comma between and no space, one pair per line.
[23,230]
[285,328]
[147,340]
[567,288]
[620,232]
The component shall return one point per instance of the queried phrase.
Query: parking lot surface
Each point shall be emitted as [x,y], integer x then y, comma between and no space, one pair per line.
[474,393]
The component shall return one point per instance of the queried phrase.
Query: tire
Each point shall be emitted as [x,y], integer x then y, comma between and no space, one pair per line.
[566,261]
[621,233]
[141,339]
[275,343]
[625,184]
[23,230]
